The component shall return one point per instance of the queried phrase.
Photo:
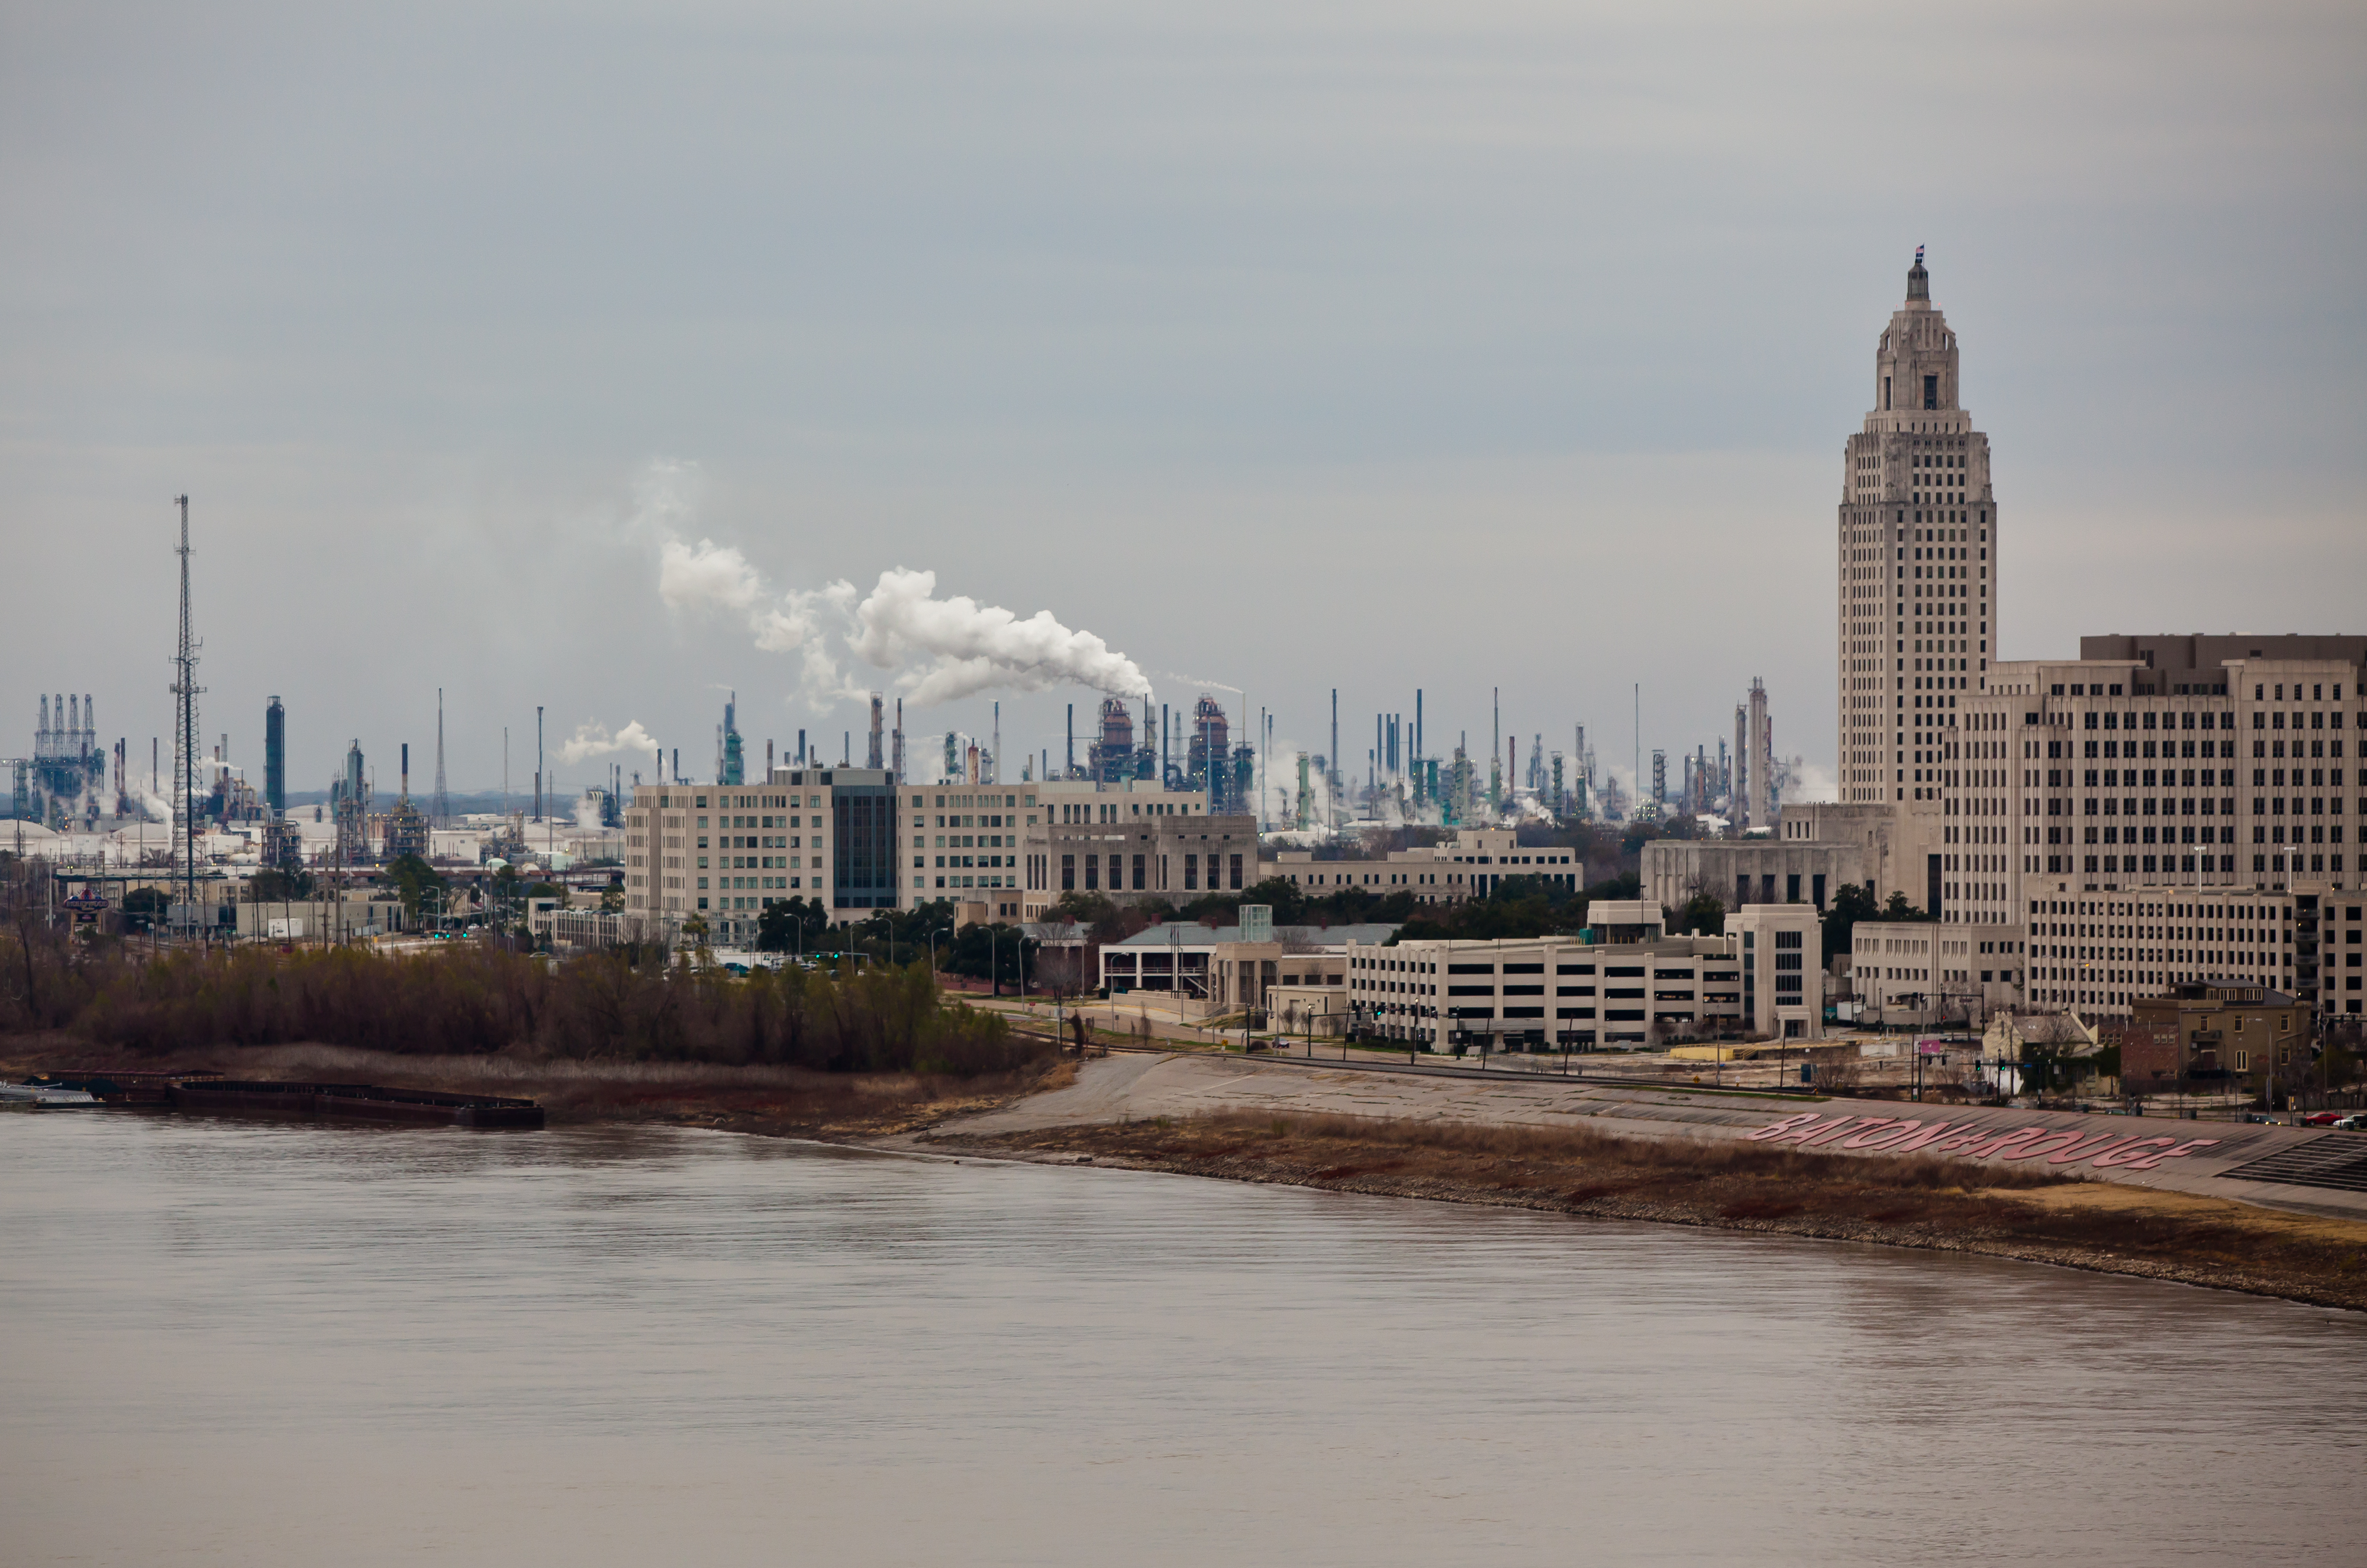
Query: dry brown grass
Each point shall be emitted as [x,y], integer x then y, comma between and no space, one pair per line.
[1696,1158]
[2044,1214]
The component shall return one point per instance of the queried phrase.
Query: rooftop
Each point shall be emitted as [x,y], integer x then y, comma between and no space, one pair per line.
[1192,934]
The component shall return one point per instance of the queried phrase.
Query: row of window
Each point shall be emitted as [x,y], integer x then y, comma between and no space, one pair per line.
[1222,870]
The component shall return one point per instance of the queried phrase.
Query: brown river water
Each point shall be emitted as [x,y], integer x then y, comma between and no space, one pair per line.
[247,1343]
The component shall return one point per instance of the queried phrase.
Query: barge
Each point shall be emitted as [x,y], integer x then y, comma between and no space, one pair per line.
[112,1086]
[356,1103]
[42,1092]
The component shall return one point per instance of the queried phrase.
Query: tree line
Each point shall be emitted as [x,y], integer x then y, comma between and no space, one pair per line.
[476,997]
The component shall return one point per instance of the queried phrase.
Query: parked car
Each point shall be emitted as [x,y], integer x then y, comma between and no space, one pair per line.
[2324,1118]
[2353,1124]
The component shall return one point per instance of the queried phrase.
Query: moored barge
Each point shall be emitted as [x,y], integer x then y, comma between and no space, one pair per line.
[357,1102]
[115,1086]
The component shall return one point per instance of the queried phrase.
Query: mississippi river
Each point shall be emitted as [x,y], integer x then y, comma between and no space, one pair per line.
[239,1342]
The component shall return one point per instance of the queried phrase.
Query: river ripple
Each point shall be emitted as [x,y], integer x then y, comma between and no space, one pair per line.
[264,1344]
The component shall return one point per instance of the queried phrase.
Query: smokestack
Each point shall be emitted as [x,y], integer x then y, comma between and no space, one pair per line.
[275,756]
[537,762]
[994,757]
[801,747]
[1737,789]
[406,770]
[1072,741]
[896,763]
[874,757]
[1333,762]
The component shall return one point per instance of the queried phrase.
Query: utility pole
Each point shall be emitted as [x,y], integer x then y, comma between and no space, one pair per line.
[185,728]
[1335,757]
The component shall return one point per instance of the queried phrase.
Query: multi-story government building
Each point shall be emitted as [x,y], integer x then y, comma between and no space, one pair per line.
[1918,558]
[2169,811]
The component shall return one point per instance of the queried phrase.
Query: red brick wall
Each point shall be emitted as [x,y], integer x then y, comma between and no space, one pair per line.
[2148,1056]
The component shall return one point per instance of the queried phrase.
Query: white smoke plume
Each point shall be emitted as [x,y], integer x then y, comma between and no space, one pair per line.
[971,648]
[1801,781]
[592,740]
[934,650]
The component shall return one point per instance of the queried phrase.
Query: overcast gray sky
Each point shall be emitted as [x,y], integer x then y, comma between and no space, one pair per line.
[1281,345]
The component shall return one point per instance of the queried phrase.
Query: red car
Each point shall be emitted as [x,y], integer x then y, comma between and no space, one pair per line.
[2324,1117]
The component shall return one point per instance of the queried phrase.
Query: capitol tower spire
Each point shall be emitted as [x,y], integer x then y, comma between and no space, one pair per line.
[1919,570]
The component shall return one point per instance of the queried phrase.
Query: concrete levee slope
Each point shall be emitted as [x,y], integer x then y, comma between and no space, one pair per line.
[2302,1170]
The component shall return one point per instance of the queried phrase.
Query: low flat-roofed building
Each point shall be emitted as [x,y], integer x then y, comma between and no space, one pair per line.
[1172,858]
[1922,971]
[1471,864]
[2207,1032]
[1563,992]
[2104,952]
[1213,966]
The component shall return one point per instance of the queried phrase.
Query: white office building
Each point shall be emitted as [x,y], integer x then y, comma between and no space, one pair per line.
[1633,987]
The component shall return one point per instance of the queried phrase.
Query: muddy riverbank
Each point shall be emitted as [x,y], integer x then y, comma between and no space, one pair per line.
[2030,1215]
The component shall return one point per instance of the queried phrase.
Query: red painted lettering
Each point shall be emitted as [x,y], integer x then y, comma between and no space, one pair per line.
[1830,1135]
[1880,1137]
[2061,1145]
[2092,1146]
[1775,1129]
[1985,1148]
[2134,1149]
[2191,1145]
[1914,1140]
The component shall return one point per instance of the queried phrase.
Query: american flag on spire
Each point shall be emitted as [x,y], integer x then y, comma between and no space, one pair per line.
[1918,255]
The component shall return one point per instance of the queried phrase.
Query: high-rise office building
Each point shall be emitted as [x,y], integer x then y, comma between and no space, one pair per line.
[1917,556]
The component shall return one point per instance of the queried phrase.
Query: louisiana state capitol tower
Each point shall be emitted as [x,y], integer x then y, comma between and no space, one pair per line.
[1918,565]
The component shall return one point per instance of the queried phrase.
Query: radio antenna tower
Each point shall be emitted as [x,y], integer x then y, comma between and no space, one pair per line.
[184,730]
[441,809]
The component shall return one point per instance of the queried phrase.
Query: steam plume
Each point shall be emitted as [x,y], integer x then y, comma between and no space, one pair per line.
[935,650]
[592,740]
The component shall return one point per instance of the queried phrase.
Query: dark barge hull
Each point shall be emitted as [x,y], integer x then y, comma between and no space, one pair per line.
[359,1102]
[139,1089]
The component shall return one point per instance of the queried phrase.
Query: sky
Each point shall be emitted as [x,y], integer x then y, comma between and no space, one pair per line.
[570,355]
